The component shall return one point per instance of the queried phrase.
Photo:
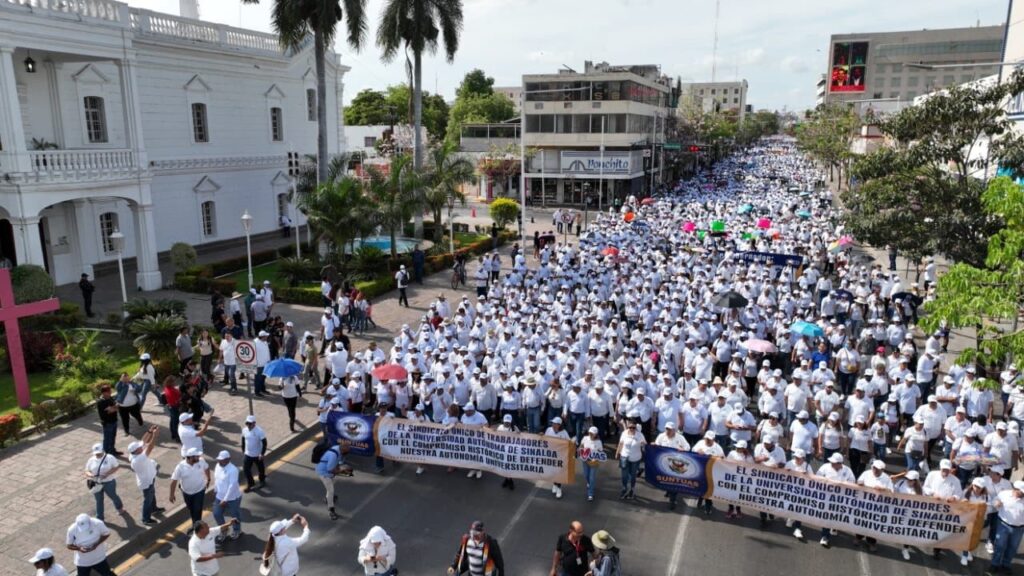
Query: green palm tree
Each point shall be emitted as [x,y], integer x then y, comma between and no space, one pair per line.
[294,21]
[334,211]
[418,25]
[393,196]
[445,174]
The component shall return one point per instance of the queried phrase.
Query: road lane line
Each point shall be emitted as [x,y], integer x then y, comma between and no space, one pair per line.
[862,563]
[677,546]
[519,514]
[182,529]
[370,498]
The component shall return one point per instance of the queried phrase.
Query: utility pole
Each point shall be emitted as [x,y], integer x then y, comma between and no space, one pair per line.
[714,50]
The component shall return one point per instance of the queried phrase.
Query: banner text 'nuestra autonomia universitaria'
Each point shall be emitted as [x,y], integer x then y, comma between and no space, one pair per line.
[898,518]
[526,456]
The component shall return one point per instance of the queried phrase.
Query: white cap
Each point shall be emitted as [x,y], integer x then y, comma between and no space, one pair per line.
[41,554]
[945,464]
[879,464]
[506,418]
[469,406]
[193,453]
[668,426]
[592,430]
[799,453]
[250,419]
[145,356]
[98,448]
[836,458]
[556,420]
[263,334]
[913,475]
[741,444]
[134,446]
[185,417]
[710,435]
[1001,426]
[279,526]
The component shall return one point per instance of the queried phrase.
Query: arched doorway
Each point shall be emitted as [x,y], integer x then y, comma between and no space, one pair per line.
[8,253]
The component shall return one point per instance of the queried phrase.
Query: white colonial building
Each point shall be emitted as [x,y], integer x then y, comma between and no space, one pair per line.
[161,127]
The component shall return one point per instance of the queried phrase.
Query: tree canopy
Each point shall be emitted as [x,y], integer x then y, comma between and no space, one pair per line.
[478,109]
[376,107]
[475,83]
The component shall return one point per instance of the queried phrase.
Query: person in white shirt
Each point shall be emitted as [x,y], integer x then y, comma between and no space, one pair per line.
[190,437]
[672,439]
[803,433]
[227,497]
[262,347]
[1010,528]
[555,430]
[229,360]
[192,475]
[202,547]
[630,453]
[283,550]
[835,471]
[100,469]
[942,483]
[799,465]
[708,447]
[471,417]
[875,477]
[145,472]
[591,452]
[377,553]
[86,538]
[740,453]
[45,564]
[254,447]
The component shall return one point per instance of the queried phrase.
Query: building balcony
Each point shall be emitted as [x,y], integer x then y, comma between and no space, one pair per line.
[57,166]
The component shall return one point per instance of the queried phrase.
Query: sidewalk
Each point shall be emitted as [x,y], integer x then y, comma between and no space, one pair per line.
[41,483]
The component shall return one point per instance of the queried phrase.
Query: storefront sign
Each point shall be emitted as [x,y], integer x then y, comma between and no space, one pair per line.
[507,454]
[573,162]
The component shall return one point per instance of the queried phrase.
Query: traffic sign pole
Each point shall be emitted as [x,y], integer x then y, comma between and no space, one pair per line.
[245,356]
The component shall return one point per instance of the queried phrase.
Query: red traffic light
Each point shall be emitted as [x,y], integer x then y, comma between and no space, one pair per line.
[694,148]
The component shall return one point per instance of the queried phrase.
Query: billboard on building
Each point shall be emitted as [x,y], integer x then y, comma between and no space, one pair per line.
[849,66]
[579,162]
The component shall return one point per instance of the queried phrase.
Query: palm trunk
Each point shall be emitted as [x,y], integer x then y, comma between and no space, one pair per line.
[417,145]
[321,107]
[394,248]
[438,226]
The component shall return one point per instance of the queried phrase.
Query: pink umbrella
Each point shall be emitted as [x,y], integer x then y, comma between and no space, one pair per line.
[764,223]
[762,346]
[689,227]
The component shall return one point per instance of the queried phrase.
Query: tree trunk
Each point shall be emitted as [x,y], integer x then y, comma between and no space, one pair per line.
[417,145]
[394,247]
[321,108]
[438,227]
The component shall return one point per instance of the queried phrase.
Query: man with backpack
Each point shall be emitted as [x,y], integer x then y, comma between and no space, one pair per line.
[402,281]
[330,463]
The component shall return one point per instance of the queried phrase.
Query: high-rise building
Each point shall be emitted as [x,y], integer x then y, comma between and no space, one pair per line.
[899,66]
[596,135]
[718,96]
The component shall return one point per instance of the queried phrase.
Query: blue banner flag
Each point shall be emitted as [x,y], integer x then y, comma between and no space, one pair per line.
[356,430]
[769,258]
[677,471]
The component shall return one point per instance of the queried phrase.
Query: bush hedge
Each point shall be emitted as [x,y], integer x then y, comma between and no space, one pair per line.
[10,427]
[306,295]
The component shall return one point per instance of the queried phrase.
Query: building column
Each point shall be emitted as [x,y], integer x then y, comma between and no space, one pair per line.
[28,244]
[12,130]
[84,232]
[132,109]
[148,275]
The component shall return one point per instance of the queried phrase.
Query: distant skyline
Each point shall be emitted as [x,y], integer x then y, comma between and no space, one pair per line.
[779,47]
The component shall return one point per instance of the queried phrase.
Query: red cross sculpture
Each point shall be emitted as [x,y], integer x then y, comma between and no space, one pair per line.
[9,315]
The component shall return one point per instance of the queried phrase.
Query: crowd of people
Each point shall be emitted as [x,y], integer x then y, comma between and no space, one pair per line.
[726,317]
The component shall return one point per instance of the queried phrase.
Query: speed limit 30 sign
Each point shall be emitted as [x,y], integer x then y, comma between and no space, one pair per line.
[245,353]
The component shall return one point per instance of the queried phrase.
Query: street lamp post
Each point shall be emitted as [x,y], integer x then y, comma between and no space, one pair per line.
[451,224]
[117,239]
[586,205]
[247,226]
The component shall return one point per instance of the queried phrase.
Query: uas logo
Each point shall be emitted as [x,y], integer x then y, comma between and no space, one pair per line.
[353,428]
[680,465]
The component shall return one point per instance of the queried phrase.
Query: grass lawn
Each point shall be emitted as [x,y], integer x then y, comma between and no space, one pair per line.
[467,238]
[43,385]
[260,273]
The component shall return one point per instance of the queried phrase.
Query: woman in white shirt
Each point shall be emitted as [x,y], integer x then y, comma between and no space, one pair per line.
[739,454]
[630,453]
[290,394]
[100,470]
[591,452]
[45,565]
[830,437]
[915,440]
[859,446]
[377,553]
[146,375]
[282,551]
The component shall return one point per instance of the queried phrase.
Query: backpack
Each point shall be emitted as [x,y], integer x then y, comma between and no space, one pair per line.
[320,449]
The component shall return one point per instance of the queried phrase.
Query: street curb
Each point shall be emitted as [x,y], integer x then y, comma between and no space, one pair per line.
[175,516]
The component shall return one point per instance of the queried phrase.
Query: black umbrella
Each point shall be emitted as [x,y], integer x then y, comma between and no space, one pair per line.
[844,295]
[914,298]
[731,299]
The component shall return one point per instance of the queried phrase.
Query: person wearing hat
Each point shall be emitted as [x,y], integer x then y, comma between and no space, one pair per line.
[45,564]
[995,483]
[229,360]
[909,484]
[875,478]
[87,537]
[976,493]
[472,417]
[330,323]
[555,430]
[146,375]
[478,554]
[331,464]
[99,472]
[202,547]
[310,362]
[145,469]
[1002,445]
[606,555]
[377,553]
[192,476]
[262,347]
[965,453]
[187,433]
[227,496]
[402,283]
[106,407]
[836,471]
[942,483]
[672,439]
[591,453]
[282,550]
[799,464]
[1009,505]
[508,425]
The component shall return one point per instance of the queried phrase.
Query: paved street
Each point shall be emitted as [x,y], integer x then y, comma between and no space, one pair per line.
[426,515]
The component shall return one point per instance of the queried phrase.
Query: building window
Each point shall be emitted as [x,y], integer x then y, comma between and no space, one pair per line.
[712,91]
[877,95]
[200,132]
[369,141]
[735,100]
[95,119]
[209,213]
[282,205]
[311,104]
[897,82]
[735,90]
[276,124]
[108,225]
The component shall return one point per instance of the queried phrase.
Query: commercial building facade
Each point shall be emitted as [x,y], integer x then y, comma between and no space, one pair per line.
[594,136]
[161,127]
[719,96]
[873,67]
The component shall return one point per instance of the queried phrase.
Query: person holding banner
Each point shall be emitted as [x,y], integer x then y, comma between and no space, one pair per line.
[874,478]
[799,465]
[835,471]
[739,454]
[508,425]
[910,484]
[975,492]
[471,417]
[670,439]
[1010,529]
